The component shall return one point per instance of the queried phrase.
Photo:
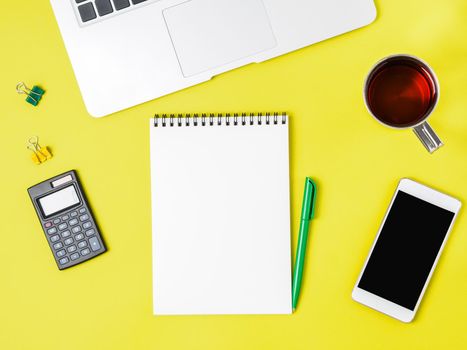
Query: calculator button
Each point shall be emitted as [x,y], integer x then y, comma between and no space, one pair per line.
[48,224]
[73,222]
[56,221]
[71,249]
[82,244]
[65,217]
[52,230]
[78,237]
[61,253]
[64,260]
[68,241]
[85,251]
[73,214]
[87,225]
[82,210]
[58,245]
[90,232]
[84,217]
[62,226]
[76,229]
[94,244]
[66,234]
[55,238]
[74,256]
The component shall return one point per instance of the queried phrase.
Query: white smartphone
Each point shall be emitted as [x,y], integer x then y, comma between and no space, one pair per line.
[406,250]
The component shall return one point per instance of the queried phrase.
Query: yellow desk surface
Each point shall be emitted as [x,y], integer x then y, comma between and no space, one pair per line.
[106,303]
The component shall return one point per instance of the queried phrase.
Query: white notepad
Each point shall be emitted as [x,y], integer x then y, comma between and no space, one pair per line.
[220,215]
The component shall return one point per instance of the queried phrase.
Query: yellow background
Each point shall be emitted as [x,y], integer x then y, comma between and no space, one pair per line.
[106,302]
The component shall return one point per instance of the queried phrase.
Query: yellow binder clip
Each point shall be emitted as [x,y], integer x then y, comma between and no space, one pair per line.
[40,154]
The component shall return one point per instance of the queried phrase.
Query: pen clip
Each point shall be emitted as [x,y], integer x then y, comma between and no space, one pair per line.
[312,193]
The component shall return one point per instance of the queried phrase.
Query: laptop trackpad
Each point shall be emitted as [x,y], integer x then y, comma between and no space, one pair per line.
[210,33]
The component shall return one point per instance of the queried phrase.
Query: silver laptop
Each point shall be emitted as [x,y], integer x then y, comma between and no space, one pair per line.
[126,52]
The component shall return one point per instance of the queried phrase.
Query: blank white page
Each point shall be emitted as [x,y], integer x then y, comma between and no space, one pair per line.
[221,217]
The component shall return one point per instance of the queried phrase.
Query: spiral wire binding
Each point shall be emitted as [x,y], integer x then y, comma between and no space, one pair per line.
[172,120]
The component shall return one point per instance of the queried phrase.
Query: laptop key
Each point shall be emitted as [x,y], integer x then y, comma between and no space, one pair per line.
[121,4]
[137,1]
[87,12]
[104,7]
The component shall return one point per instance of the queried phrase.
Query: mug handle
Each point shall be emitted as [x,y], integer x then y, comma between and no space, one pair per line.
[428,137]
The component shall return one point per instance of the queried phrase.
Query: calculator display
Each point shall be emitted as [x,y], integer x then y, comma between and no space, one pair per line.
[58,201]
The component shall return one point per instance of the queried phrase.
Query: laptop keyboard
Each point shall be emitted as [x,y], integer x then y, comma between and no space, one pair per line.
[90,11]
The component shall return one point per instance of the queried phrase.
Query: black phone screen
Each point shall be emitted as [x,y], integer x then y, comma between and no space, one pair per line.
[406,250]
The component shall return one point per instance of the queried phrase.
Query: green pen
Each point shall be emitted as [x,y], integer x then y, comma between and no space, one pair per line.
[308,212]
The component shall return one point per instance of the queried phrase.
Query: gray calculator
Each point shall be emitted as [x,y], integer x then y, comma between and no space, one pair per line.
[66,219]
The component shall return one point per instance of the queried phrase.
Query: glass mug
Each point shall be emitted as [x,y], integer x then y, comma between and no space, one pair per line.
[401,91]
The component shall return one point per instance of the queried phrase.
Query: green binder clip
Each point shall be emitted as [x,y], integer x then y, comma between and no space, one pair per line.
[34,95]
